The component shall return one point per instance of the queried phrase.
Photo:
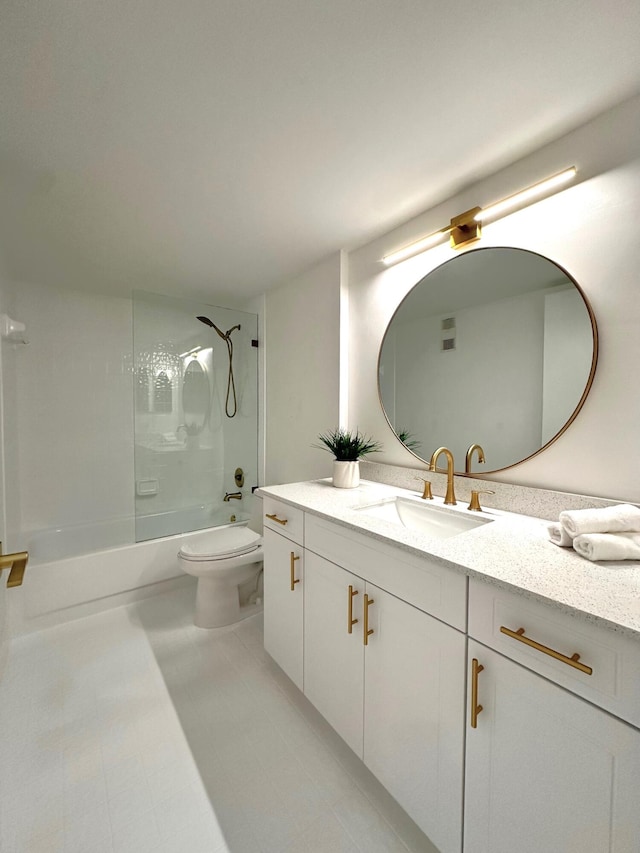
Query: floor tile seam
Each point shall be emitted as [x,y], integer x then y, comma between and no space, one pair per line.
[120,832]
[343,765]
[68,824]
[365,847]
[310,782]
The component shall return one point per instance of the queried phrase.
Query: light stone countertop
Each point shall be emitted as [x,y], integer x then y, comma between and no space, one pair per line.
[513,551]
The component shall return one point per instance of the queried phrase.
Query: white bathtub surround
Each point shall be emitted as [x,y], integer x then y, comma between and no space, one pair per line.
[80,586]
[514,551]
[133,731]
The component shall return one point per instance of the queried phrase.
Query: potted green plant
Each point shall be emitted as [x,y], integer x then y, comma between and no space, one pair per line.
[347,448]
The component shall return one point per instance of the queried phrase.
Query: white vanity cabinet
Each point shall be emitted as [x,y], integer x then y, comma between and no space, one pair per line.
[454,688]
[334,657]
[284,587]
[545,769]
[388,676]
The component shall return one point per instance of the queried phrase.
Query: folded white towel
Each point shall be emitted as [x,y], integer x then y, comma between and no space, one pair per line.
[610,519]
[608,546]
[559,536]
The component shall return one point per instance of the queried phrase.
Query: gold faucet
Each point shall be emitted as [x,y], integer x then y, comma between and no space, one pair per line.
[232,496]
[426,489]
[467,461]
[450,497]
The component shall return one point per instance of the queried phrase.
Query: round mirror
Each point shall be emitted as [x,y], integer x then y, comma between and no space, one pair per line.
[496,347]
[196,397]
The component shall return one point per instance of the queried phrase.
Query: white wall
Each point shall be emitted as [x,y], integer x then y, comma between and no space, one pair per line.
[73,446]
[591,230]
[302,372]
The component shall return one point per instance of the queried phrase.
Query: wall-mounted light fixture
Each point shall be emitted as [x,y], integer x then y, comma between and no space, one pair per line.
[190,352]
[466,228]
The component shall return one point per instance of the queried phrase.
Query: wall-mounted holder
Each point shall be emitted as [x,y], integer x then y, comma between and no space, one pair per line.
[16,563]
[12,330]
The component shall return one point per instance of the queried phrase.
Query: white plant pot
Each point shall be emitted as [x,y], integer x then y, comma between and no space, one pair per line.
[346,475]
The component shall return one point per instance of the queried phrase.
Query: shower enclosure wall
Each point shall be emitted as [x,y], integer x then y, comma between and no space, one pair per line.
[114,420]
[187,448]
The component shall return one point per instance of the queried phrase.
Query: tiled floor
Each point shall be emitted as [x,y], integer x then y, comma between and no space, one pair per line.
[135,731]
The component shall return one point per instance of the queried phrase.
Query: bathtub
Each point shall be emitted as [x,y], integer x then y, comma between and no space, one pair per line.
[59,543]
[72,585]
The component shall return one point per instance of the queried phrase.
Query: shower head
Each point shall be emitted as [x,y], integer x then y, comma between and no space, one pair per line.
[223,335]
[210,323]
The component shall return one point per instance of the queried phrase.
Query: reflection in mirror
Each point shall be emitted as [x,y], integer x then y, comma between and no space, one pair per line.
[196,397]
[142,390]
[495,347]
[162,393]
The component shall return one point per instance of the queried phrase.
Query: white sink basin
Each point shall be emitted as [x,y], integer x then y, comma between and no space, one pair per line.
[435,521]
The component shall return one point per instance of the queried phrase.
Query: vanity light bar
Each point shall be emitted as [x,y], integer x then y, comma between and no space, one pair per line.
[465,228]
[527,195]
[415,248]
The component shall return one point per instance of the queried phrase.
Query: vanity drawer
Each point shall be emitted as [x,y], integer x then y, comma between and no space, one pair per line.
[607,671]
[419,581]
[284,519]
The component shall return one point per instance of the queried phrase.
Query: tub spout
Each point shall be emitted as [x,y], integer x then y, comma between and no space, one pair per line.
[232,496]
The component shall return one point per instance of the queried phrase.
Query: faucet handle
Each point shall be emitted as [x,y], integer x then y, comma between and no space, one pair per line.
[426,492]
[474,504]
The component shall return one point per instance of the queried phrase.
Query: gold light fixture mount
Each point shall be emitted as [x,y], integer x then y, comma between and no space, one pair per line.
[465,228]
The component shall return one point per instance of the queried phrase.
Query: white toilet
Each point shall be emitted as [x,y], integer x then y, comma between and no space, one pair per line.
[225,561]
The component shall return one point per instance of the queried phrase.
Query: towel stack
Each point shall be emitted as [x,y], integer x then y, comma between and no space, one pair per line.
[612,533]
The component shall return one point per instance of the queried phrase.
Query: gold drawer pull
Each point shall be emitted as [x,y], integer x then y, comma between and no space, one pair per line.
[275,518]
[350,620]
[574,660]
[16,563]
[367,631]
[476,669]
[294,579]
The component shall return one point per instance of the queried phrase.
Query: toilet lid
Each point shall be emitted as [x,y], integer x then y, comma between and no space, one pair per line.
[226,542]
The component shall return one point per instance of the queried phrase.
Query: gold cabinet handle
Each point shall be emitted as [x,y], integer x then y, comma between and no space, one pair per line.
[574,660]
[294,579]
[476,669]
[350,620]
[275,518]
[367,631]
[16,563]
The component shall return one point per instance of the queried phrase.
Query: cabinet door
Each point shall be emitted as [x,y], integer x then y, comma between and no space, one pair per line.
[546,771]
[283,603]
[414,714]
[333,657]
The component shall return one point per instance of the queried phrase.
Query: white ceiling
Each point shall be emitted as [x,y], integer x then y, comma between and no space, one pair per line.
[223,146]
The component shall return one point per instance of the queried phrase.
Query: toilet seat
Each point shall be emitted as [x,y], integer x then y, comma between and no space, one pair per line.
[221,544]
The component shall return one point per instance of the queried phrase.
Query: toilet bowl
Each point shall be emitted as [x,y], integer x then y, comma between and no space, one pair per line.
[223,560]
